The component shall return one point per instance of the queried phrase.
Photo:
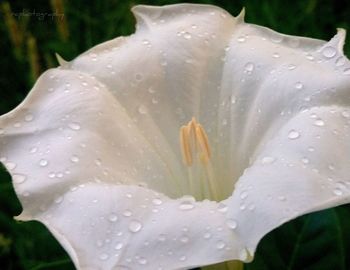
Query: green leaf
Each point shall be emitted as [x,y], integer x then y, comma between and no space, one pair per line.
[312,242]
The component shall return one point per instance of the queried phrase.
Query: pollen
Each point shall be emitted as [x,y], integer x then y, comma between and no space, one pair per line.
[194,143]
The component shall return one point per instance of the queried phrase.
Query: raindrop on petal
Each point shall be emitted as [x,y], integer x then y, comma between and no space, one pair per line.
[293,134]
[135,226]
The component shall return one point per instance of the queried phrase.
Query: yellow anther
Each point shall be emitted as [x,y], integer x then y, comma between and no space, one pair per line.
[193,139]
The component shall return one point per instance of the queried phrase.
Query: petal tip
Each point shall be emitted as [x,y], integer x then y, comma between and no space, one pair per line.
[241,15]
[60,60]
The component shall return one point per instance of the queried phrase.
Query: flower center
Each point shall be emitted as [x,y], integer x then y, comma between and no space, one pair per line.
[196,154]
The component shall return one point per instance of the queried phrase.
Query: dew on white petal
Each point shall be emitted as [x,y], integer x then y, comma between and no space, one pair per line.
[10,165]
[187,204]
[135,226]
[319,123]
[207,235]
[305,160]
[157,201]
[299,85]
[74,159]
[345,114]
[19,178]
[142,261]
[127,213]
[267,160]
[183,258]
[29,117]
[142,109]
[232,224]
[243,255]
[74,126]
[337,191]
[112,217]
[346,71]
[58,199]
[329,52]
[222,208]
[293,134]
[249,67]
[187,35]
[243,195]
[241,39]
[43,162]
[340,61]
[118,246]
[103,256]
[220,245]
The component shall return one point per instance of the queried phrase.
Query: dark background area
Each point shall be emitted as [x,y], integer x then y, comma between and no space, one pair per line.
[33,31]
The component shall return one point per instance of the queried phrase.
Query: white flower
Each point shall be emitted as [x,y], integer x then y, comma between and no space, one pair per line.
[94,149]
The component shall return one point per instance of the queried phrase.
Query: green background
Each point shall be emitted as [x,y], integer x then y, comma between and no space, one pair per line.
[29,37]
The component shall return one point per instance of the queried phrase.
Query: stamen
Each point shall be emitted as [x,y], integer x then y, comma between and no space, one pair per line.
[193,139]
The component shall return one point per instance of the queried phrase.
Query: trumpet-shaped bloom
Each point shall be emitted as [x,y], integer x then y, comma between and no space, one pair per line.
[264,124]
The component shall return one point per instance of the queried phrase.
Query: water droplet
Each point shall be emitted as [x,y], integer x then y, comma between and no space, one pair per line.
[305,160]
[267,160]
[74,159]
[275,55]
[207,235]
[157,201]
[244,194]
[220,245]
[319,123]
[145,42]
[249,67]
[345,114]
[299,85]
[112,217]
[293,134]
[232,224]
[329,52]
[346,71]
[340,61]
[43,162]
[241,39]
[118,246]
[183,258]
[243,255]
[142,261]
[337,191]
[29,117]
[58,199]
[103,256]
[10,165]
[187,35]
[291,66]
[142,109]
[184,239]
[222,208]
[74,126]
[186,205]
[19,178]
[127,213]
[135,226]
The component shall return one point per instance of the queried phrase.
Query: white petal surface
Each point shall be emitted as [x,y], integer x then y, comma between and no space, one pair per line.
[78,161]
[304,168]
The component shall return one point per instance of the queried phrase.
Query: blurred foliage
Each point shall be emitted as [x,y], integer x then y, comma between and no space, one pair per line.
[33,31]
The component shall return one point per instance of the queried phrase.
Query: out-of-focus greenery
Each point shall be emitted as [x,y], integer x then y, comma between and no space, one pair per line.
[32,31]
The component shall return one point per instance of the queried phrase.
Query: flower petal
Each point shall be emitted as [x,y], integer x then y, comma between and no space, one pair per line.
[304,168]
[268,78]
[182,47]
[81,173]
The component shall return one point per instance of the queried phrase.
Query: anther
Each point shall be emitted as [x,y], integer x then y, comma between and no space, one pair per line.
[194,140]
